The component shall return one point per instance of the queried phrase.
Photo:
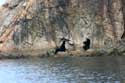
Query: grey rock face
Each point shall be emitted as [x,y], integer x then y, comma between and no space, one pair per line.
[39,24]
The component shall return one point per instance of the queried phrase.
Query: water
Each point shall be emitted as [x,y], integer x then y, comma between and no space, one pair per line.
[63,70]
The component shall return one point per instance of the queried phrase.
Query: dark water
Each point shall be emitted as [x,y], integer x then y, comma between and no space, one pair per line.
[63,70]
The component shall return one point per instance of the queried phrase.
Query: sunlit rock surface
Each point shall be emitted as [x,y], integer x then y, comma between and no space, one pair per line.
[40,24]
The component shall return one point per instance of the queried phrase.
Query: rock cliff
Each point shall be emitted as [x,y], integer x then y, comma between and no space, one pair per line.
[40,24]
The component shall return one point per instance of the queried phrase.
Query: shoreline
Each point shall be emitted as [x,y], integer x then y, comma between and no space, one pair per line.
[50,53]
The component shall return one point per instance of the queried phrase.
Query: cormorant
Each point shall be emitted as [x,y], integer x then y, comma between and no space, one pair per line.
[86,44]
[62,48]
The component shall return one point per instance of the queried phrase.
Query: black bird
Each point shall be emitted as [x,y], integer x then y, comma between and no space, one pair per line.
[86,44]
[64,39]
[62,48]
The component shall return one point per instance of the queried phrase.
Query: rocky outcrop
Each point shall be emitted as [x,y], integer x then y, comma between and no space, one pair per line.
[39,24]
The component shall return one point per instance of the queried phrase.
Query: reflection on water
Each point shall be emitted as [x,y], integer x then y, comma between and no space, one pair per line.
[63,70]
